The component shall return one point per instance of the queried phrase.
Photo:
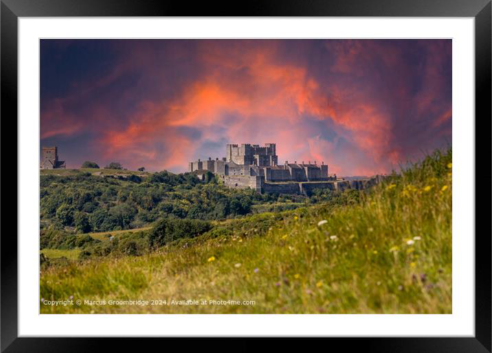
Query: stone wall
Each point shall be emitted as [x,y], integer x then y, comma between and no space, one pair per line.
[277,174]
[281,188]
[243,182]
[308,188]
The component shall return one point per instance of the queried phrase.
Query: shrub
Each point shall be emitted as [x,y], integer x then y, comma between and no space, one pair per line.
[114,165]
[168,230]
[129,248]
[88,164]
[84,255]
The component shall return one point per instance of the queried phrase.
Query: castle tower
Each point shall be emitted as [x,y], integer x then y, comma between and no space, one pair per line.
[49,158]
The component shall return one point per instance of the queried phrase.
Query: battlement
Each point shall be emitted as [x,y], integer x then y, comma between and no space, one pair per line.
[247,154]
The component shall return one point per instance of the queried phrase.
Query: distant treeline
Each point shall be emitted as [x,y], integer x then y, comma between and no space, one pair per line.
[86,203]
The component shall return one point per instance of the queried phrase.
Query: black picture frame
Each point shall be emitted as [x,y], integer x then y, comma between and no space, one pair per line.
[11,10]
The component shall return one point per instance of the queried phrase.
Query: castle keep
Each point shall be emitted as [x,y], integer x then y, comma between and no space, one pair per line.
[257,167]
[49,158]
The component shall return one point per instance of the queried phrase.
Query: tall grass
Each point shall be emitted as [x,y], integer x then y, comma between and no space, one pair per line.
[388,252]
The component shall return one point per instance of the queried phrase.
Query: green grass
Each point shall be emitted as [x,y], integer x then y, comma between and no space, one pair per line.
[389,252]
[57,253]
[104,236]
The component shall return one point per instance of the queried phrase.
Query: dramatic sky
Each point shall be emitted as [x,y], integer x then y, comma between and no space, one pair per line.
[361,106]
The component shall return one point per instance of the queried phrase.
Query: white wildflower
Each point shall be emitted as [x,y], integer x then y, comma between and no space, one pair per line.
[334,237]
[417,238]
[320,223]
[410,242]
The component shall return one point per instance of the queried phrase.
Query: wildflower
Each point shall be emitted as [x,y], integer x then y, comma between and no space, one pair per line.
[319,284]
[284,237]
[333,237]
[392,186]
[291,248]
[410,242]
[240,241]
[423,277]
[256,270]
[370,229]
[394,249]
[444,188]
[413,264]
[320,223]
[296,276]
[400,287]
[295,218]
[427,188]
[450,165]
[417,238]
[71,297]
[42,300]
[237,265]
[211,258]
[375,252]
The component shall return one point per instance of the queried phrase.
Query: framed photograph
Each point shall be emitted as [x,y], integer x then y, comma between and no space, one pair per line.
[308,170]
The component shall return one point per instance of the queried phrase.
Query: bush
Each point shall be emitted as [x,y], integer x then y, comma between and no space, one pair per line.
[84,255]
[168,230]
[88,164]
[114,165]
[129,248]
[85,240]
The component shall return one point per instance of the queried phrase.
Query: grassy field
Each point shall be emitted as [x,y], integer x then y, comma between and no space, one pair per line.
[72,254]
[390,252]
[104,236]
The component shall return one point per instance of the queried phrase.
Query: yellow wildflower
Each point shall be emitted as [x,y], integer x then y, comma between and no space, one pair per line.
[211,258]
[319,284]
[284,237]
[394,249]
[444,188]
[375,252]
[296,276]
[413,264]
[295,218]
[392,186]
[427,188]
[450,165]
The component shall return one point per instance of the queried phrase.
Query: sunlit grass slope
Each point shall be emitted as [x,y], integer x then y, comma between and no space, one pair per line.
[390,252]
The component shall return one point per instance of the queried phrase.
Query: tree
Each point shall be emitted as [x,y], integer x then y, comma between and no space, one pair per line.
[114,165]
[82,222]
[64,213]
[89,164]
[141,169]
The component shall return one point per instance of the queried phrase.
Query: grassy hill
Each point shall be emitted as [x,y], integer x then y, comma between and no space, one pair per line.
[385,251]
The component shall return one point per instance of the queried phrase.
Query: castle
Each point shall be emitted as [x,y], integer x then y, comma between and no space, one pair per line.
[257,167]
[49,158]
